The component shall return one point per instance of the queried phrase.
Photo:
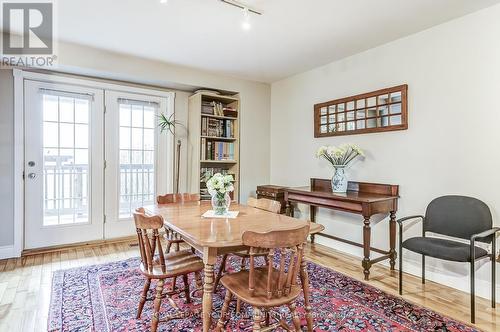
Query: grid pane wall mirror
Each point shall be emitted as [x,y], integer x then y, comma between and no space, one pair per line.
[382,110]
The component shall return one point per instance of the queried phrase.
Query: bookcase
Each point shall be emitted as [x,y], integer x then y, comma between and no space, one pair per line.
[214,137]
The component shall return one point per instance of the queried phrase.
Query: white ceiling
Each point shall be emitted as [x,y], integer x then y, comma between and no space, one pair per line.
[292,36]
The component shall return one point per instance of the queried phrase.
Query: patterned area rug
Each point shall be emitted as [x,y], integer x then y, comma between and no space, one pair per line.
[105,297]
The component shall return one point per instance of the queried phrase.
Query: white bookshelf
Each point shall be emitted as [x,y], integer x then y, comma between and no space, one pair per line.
[227,155]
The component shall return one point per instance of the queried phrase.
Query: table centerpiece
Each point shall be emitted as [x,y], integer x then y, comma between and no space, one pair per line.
[219,186]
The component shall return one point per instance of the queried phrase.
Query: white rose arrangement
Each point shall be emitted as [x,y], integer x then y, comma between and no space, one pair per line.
[220,184]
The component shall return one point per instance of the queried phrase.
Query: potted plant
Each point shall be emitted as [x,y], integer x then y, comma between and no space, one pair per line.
[169,124]
[339,157]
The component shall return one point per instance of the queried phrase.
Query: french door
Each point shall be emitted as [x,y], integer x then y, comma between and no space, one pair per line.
[64,164]
[91,157]
[138,158]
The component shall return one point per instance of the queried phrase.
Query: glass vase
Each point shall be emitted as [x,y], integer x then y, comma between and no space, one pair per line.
[221,203]
[339,180]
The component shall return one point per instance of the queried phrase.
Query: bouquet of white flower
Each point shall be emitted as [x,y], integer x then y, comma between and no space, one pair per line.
[219,186]
[339,156]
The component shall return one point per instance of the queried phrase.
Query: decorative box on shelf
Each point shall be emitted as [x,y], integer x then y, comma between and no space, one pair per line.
[276,193]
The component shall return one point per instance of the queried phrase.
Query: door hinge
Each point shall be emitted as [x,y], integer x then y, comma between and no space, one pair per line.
[23,175]
[105,164]
[104,219]
[105,109]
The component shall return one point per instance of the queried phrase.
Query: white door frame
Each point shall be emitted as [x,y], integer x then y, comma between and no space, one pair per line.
[19,77]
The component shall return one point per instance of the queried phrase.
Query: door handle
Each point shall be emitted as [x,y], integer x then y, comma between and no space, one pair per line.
[32,175]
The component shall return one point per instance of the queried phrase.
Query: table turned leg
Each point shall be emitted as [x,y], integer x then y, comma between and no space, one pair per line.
[208,289]
[392,240]
[366,247]
[312,216]
[304,279]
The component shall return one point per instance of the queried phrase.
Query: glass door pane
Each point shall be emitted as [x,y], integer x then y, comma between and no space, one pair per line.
[65,159]
[137,156]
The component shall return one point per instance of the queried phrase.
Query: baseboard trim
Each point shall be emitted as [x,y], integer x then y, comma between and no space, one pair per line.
[86,244]
[7,252]
[412,267]
[483,287]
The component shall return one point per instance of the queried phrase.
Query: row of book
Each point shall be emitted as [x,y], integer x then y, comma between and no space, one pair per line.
[205,195]
[218,108]
[207,172]
[214,150]
[217,128]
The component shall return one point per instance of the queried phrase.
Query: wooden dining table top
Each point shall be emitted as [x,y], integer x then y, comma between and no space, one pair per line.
[186,219]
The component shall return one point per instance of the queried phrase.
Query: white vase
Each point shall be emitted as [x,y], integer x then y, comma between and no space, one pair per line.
[221,203]
[339,180]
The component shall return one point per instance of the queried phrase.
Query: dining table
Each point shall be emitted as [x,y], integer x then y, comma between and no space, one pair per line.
[213,237]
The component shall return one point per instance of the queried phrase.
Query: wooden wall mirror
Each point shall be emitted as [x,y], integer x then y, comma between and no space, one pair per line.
[382,110]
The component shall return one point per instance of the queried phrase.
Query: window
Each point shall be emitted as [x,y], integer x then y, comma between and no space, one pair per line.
[383,110]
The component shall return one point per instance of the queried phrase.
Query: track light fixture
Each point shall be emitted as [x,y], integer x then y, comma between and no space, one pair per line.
[245,23]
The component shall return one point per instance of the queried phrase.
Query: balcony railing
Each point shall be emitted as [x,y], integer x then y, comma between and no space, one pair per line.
[66,187]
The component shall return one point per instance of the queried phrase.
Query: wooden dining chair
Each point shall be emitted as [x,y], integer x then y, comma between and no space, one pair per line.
[155,265]
[262,204]
[271,286]
[171,237]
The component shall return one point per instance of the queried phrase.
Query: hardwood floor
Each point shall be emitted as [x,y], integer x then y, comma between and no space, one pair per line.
[25,284]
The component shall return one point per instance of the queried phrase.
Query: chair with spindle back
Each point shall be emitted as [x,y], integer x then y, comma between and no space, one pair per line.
[171,237]
[155,265]
[271,286]
[261,204]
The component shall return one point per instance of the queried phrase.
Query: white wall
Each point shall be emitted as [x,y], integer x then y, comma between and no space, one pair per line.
[451,146]
[255,99]
[77,59]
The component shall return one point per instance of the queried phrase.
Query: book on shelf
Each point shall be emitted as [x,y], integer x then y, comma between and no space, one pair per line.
[205,195]
[218,109]
[217,127]
[207,172]
[215,150]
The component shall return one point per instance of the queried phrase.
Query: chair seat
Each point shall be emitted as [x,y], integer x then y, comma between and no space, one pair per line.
[176,263]
[237,283]
[442,248]
[244,253]
[315,228]
[172,236]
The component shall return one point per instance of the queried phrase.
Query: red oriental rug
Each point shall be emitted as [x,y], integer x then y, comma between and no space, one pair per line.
[104,298]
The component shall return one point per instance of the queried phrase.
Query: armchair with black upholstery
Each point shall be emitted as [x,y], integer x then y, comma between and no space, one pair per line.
[458,217]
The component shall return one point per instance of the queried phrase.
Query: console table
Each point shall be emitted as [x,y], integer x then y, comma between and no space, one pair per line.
[365,199]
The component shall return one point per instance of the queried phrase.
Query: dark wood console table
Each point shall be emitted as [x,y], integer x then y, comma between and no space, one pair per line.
[365,199]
